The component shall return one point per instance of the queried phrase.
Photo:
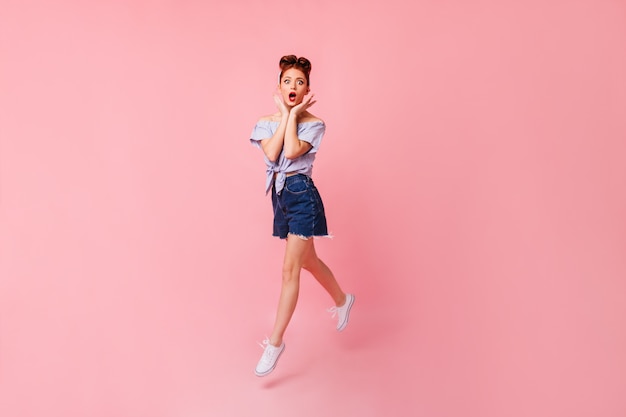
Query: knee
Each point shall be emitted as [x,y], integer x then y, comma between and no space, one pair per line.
[291,272]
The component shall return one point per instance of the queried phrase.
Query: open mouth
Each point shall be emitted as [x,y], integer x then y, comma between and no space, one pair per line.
[292,96]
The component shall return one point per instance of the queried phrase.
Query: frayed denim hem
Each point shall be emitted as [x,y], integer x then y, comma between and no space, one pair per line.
[328,236]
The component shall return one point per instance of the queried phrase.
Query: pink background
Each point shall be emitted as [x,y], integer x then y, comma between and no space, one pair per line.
[474,177]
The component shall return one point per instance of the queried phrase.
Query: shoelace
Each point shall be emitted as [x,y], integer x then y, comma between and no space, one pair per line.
[334,310]
[264,343]
[268,354]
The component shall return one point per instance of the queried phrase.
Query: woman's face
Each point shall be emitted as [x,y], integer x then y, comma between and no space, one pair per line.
[293,87]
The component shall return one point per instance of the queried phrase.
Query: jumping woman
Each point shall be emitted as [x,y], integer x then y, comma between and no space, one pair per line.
[290,139]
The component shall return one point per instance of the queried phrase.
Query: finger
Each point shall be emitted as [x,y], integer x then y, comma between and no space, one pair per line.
[279,100]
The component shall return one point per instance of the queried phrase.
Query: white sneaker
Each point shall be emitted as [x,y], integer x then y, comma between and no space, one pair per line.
[267,363]
[342,312]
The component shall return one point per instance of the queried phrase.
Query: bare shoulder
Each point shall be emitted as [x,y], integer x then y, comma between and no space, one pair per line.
[310,118]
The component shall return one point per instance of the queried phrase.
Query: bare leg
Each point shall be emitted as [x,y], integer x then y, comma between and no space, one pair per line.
[323,275]
[292,264]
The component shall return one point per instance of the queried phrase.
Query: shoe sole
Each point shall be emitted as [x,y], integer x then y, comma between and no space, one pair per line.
[272,368]
[345,323]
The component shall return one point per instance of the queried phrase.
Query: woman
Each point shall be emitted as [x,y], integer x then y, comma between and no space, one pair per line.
[290,139]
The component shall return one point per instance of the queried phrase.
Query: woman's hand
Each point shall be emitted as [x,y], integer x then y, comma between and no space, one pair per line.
[302,107]
[280,103]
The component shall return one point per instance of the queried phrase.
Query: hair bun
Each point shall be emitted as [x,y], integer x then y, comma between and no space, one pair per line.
[287,61]
[304,63]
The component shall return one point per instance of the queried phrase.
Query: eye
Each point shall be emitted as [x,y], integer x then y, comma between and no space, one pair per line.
[286,81]
[300,82]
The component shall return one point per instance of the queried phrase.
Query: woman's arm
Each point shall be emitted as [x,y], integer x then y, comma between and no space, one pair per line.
[272,147]
[294,147]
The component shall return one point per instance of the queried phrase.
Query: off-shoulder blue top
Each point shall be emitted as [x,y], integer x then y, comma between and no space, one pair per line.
[311,132]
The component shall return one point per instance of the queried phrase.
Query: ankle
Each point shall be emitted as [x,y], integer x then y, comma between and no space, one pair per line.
[341,301]
[276,341]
